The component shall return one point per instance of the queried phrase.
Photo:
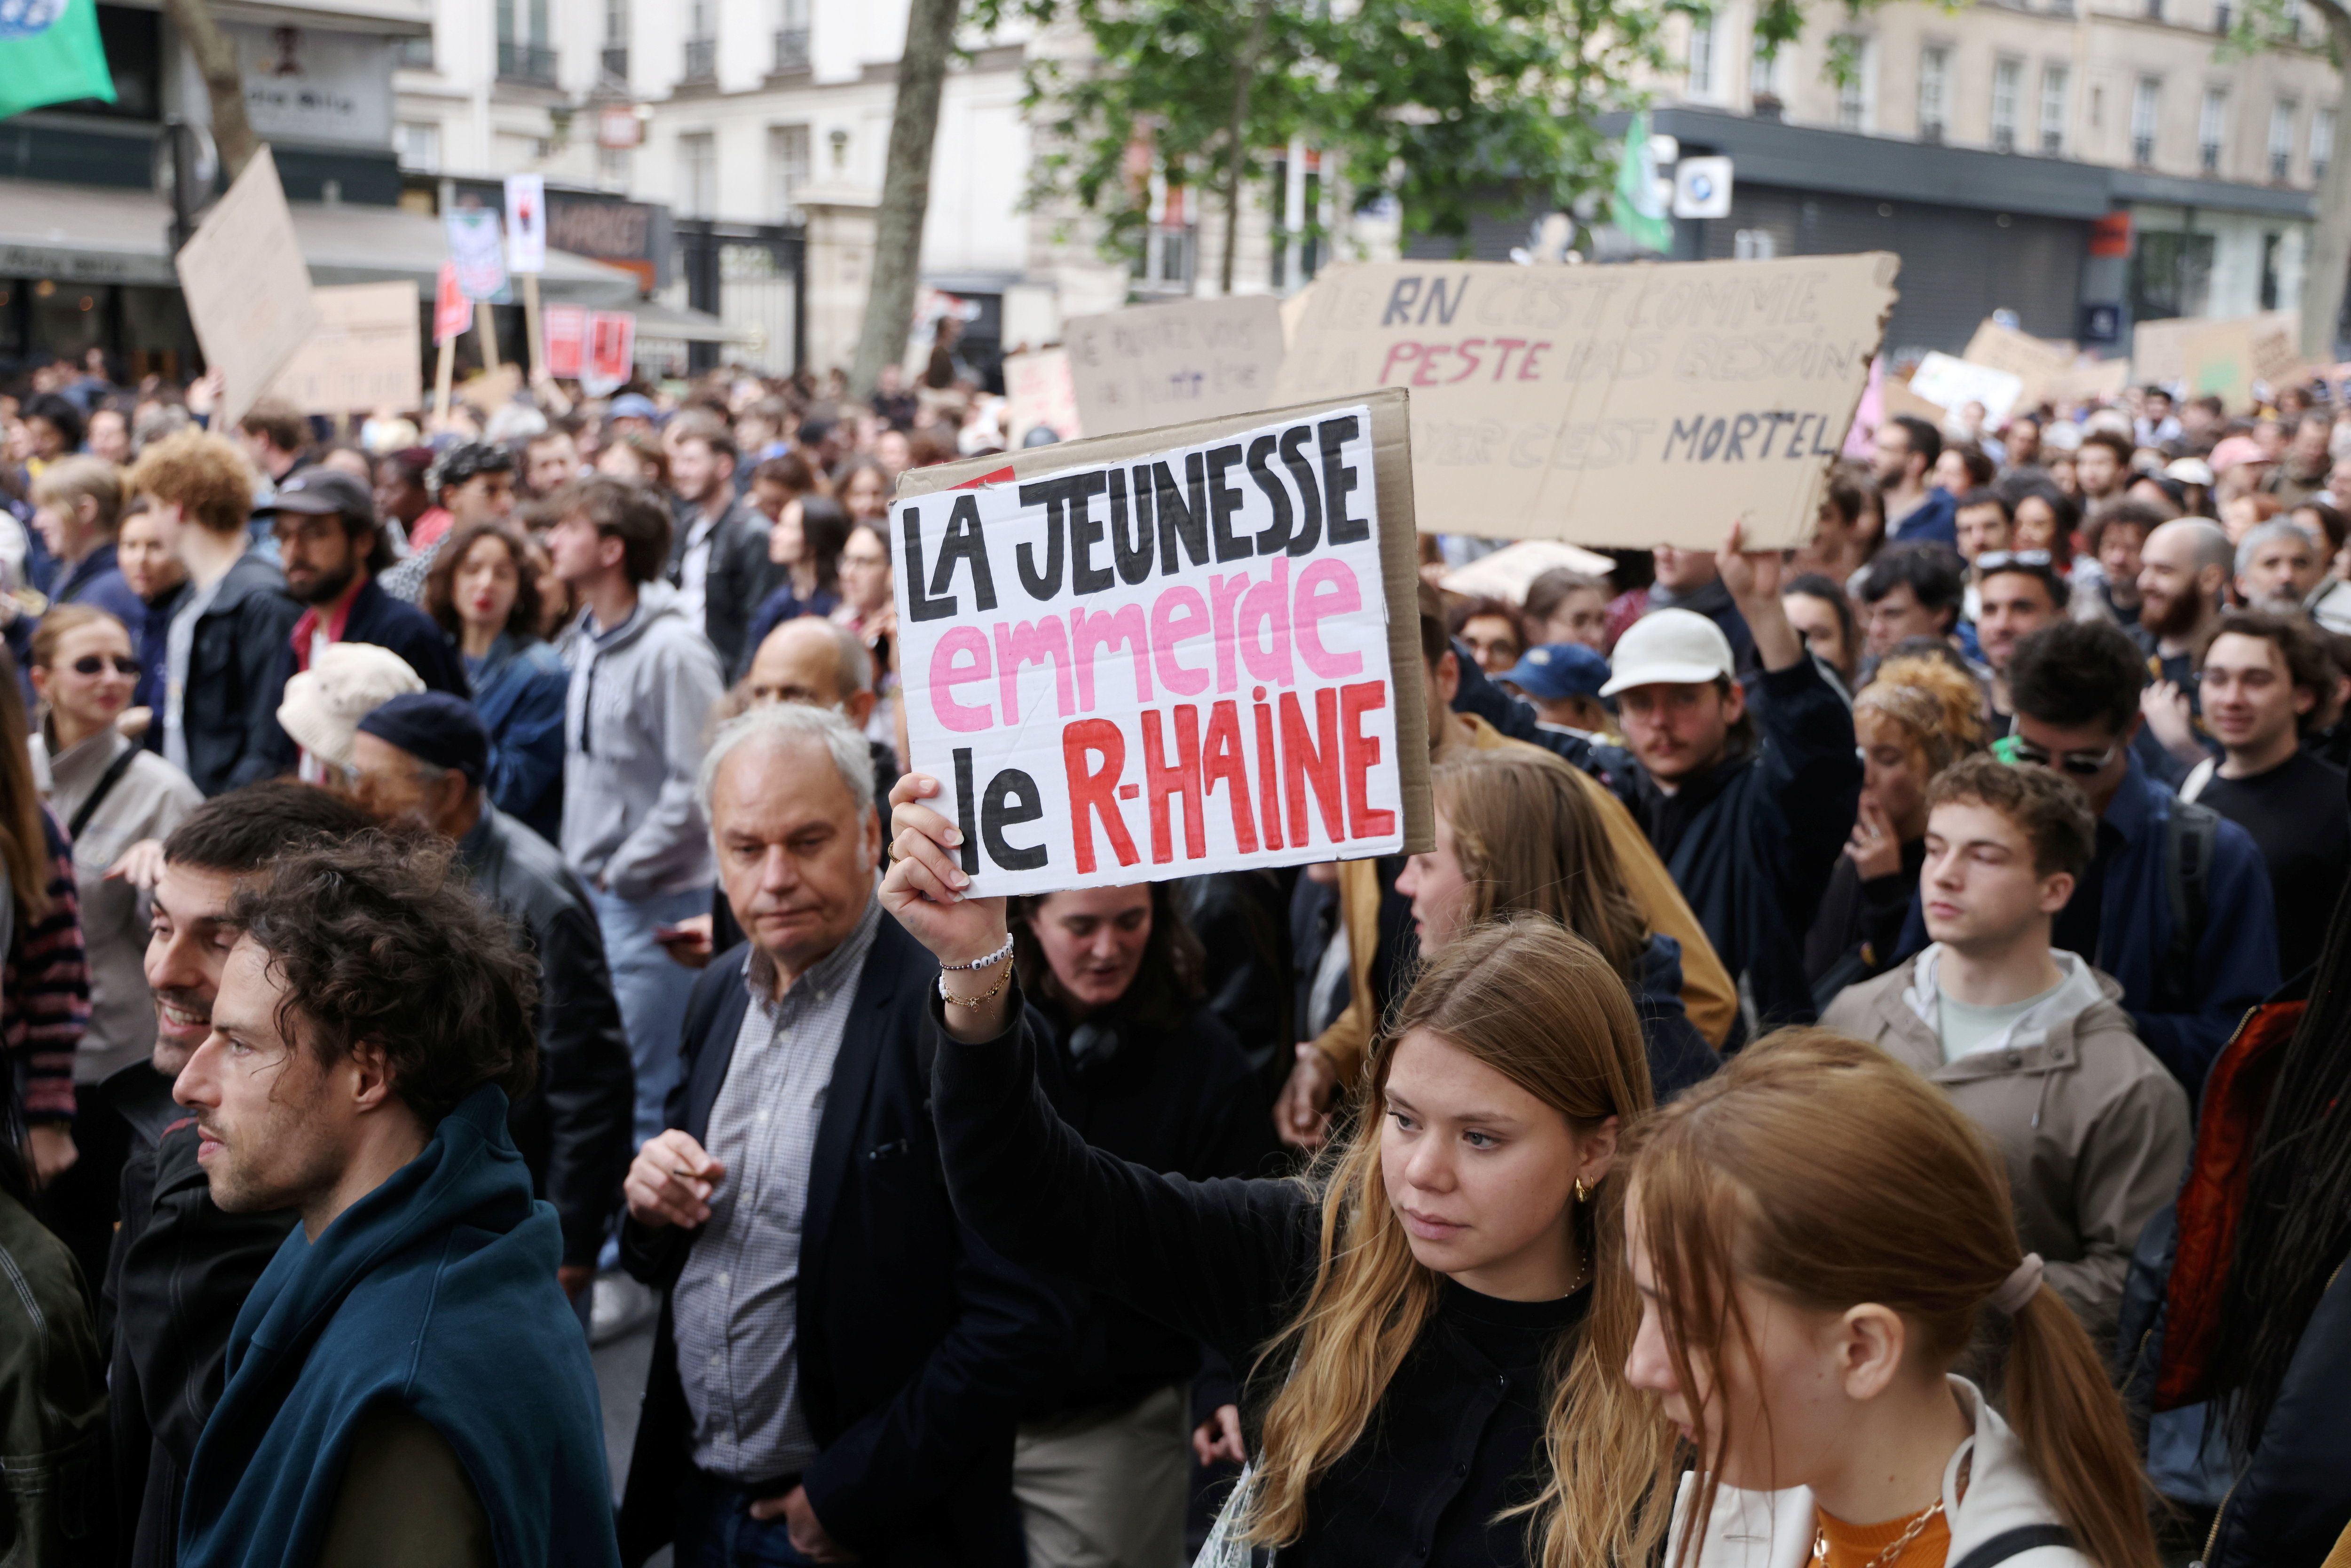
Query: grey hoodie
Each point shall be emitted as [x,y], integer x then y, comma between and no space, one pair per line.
[2095,1129]
[633,743]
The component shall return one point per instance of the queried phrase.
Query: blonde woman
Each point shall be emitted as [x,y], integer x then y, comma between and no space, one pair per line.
[1431,1326]
[1921,714]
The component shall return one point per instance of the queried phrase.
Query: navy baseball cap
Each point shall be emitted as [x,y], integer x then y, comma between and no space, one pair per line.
[320,492]
[1558,670]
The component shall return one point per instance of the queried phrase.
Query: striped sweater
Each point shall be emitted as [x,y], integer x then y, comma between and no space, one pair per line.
[45,991]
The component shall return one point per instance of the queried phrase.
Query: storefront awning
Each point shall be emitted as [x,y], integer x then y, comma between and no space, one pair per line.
[95,235]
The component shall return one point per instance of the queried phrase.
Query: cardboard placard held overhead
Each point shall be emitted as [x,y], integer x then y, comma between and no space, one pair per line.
[248,287]
[368,352]
[2228,358]
[2160,350]
[1172,651]
[2035,362]
[1037,390]
[1632,406]
[1151,365]
[1955,383]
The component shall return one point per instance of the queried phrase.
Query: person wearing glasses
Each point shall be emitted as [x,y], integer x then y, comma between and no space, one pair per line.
[2017,593]
[2175,903]
[110,793]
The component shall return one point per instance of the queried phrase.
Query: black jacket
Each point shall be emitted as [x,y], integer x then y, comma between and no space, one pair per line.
[573,1127]
[1242,918]
[1458,1434]
[918,1346]
[179,1272]
[1751,842]
[1179,1099]
[740,576]
[376,617]
[228,709]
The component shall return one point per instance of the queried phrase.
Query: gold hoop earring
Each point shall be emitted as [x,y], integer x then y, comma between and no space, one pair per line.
[1582,1193]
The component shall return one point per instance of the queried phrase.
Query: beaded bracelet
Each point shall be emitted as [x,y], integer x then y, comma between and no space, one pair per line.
[995,958]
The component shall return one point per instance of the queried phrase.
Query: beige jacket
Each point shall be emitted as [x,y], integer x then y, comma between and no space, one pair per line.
[1707,992]
[2096,1131]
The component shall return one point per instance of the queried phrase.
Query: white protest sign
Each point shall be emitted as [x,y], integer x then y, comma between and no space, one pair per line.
[368,352]
[1151,365]
[526,222]
[1037,391]
[1954,383]
[475,247]
[1157,655]
[1653,402]
[248,287]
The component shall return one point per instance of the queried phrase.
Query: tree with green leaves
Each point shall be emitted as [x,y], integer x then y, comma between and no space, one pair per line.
[2277,24]
[1440,105]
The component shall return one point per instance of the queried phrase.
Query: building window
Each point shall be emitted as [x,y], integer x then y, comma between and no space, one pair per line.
[2211,121]
[2171,275]
[2055,80]
[418,144]
[2224,17]
[788,158]
[1753,245]
[2147,103]
[1764,78]
[792,37]
[2281,115]
[1854,85]
[414,52]
[524,54]
[697,175]
[2322,143]
[615,60]
[1701,57]
[2007,85]
[700,42]
[1934,91]
[612,168]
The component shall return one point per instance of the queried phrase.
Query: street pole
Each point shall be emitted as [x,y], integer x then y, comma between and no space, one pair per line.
[531,328]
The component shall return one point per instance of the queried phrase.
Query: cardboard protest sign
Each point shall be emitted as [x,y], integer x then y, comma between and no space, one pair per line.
[2100,381]
[2035,362]
[1153,656]
[1509,571]
[1151,365]
[2226,358]
[248,287]
[1639,404]
[1898,399]
[2160,350]
[367,354]
[1037,390]
[453,314]
[1955,383]
[566,340]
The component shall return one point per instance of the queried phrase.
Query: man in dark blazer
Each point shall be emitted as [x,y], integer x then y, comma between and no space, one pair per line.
[838,1366]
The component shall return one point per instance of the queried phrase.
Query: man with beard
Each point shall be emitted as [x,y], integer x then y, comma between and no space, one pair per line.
[2183,567]
[1902,455]
[181,1268]
[2279,567]
[330,550]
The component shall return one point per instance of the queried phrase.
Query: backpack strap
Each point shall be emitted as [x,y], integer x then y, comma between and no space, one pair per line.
[2197,778]
[2190,832]
[106,783]
[2016,1542]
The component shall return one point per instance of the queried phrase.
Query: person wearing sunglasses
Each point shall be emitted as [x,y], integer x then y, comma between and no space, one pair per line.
[109,793]
[2174,904]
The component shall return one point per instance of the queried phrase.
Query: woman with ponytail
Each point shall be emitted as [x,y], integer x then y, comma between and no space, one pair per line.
[1816,1234]
[1432,1322]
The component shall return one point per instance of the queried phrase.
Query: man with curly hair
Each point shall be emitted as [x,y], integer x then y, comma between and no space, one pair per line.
[407,1383]
[219,702]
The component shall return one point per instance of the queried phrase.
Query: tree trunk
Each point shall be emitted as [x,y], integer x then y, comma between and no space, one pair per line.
[216,57]
[1236,151]
[2330,238]
[905,192]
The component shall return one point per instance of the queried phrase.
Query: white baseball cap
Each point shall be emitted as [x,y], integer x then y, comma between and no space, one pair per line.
[1669,647]
[324,703]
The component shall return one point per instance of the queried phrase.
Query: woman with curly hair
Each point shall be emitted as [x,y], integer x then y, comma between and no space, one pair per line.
[482,590]
[1917,718]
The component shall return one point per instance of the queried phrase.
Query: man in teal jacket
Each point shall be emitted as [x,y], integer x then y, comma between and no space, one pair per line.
[407,1383]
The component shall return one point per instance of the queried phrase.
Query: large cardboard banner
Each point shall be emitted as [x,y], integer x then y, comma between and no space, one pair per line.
[2165,352]
[248,287]
[368,352]
[1150,656]
[1632,406]
[1151,365]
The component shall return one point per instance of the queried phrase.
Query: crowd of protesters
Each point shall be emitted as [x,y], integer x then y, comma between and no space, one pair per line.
[1857,1077]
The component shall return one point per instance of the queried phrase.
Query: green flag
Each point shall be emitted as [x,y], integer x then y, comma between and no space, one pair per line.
[1635,208]
[49,53]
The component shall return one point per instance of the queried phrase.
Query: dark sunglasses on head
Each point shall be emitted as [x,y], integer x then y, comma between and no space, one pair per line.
[95,664]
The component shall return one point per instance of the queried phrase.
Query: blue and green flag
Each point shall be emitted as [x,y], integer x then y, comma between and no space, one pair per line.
[1635,207]
[49,53]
